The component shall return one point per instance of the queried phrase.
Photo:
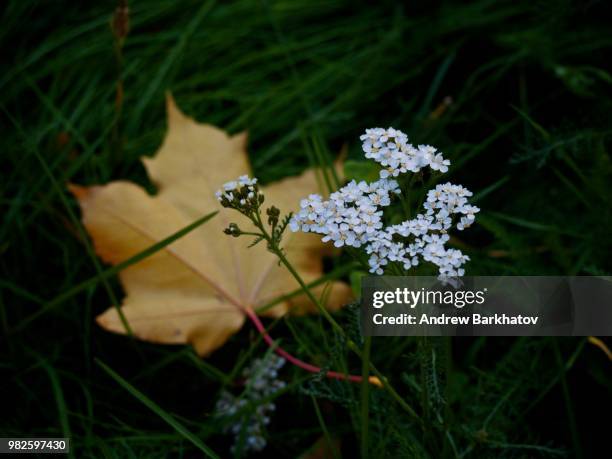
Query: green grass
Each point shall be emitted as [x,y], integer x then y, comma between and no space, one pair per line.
[527,129]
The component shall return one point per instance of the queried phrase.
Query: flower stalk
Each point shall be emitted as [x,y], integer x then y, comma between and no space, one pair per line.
[243,195]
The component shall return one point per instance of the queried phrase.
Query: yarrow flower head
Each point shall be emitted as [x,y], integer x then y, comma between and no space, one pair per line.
[390,148]
[261,383]
[353,215]
[242,194]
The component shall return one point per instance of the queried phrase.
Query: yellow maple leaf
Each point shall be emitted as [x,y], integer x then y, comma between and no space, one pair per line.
[197,289]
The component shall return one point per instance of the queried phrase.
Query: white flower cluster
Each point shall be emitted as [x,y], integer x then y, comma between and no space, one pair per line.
[231,189]
[261,383]
[352,216]
[390,148]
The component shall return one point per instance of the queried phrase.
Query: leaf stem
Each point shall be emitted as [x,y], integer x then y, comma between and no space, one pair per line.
[297,362]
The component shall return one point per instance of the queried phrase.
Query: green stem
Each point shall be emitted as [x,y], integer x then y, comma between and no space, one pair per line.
[365,396]
[325,313]
[405,199]
[568,401]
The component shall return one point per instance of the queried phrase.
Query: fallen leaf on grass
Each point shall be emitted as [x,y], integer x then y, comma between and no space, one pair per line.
[194,291]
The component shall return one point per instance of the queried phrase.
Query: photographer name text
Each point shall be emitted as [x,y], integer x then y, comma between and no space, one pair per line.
[444,319]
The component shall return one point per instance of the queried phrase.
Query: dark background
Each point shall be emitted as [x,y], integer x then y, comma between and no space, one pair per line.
[516,95]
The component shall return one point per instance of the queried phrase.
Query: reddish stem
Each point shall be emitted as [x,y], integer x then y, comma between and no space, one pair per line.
[300,363]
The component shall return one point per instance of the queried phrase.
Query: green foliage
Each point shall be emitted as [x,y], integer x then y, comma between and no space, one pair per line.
[361,170]
[516,94]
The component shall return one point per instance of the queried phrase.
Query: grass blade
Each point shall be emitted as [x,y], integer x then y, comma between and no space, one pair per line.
[167,417]
[60,401]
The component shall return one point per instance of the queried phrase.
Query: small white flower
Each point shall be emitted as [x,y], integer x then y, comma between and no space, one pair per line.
[229,186]
[438,163]
[246,180]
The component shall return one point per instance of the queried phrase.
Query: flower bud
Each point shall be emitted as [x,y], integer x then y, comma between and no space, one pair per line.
[232,230]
